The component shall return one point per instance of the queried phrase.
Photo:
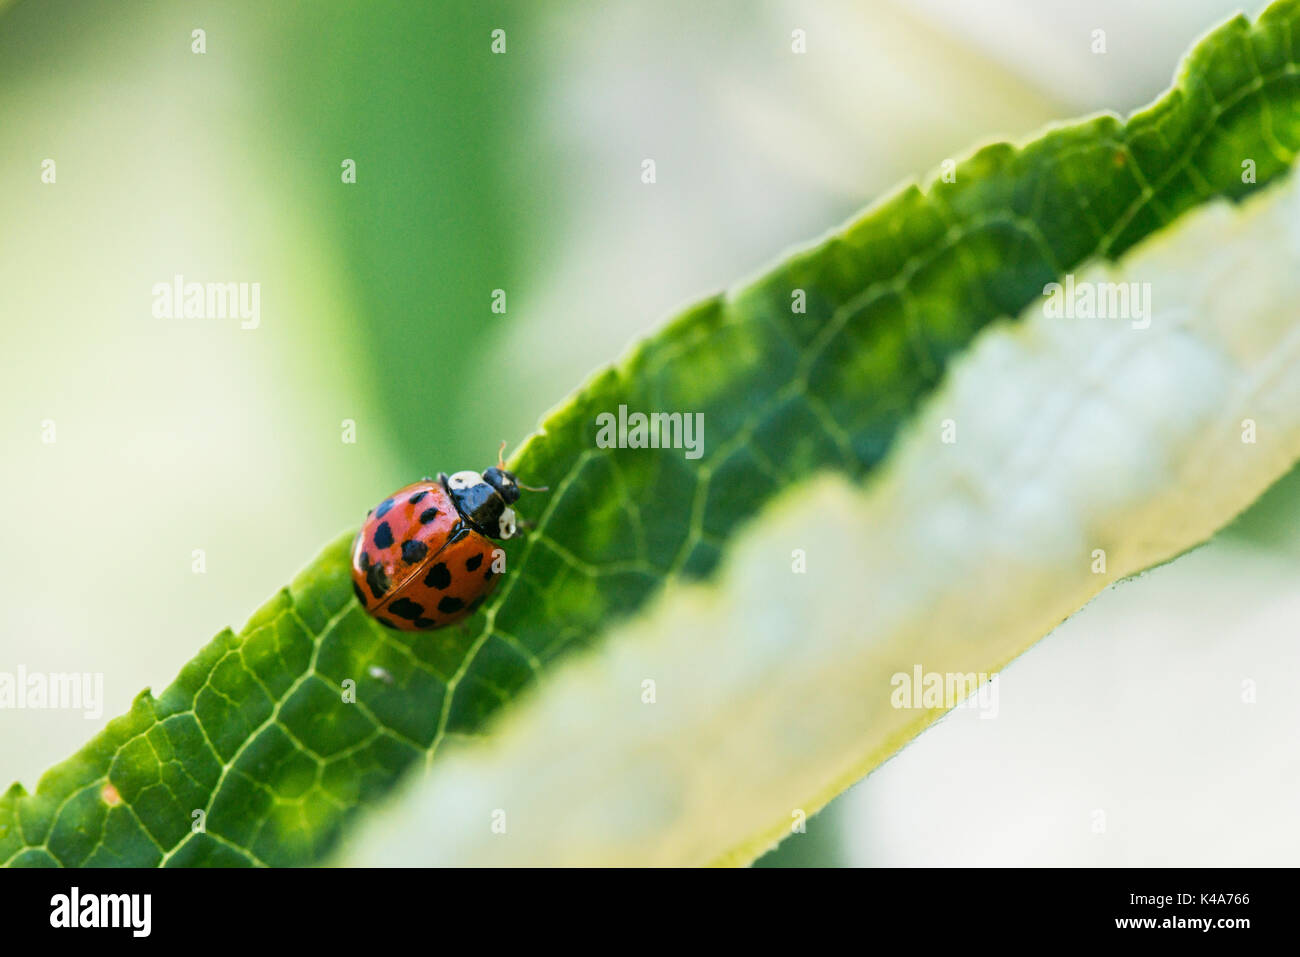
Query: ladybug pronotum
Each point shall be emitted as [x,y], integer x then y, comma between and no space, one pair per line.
[425,556]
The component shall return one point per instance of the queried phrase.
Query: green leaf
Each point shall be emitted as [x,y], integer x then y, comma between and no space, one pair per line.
[255,740]
[1083,451]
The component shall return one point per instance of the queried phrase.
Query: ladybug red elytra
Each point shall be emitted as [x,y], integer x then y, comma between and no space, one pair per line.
[425,556]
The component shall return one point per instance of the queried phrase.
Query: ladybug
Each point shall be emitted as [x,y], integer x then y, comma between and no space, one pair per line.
[426,555]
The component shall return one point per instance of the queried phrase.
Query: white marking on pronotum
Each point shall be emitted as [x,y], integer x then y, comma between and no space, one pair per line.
[463,480]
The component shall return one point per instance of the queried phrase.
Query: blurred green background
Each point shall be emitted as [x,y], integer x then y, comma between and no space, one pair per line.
[475,171]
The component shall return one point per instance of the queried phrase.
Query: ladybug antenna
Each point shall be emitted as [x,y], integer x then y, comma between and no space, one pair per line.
[502,465]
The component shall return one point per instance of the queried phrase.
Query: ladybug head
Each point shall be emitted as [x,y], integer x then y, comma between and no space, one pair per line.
[504,482]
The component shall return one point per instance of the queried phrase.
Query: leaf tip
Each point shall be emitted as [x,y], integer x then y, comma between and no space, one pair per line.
[16,791]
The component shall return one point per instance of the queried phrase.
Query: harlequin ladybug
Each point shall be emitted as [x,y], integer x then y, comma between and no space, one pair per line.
[425,557]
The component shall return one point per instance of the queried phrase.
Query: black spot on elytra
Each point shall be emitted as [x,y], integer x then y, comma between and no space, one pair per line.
[382,509]
[428,515]
[425,623]
[415,499]
[386,623]
[473,563]
[450,604]
[414,551]
[405,608]
[473,606]
[383,535]
[364,561]
[377,579]
[438,576]
[487,575]
[361,596]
